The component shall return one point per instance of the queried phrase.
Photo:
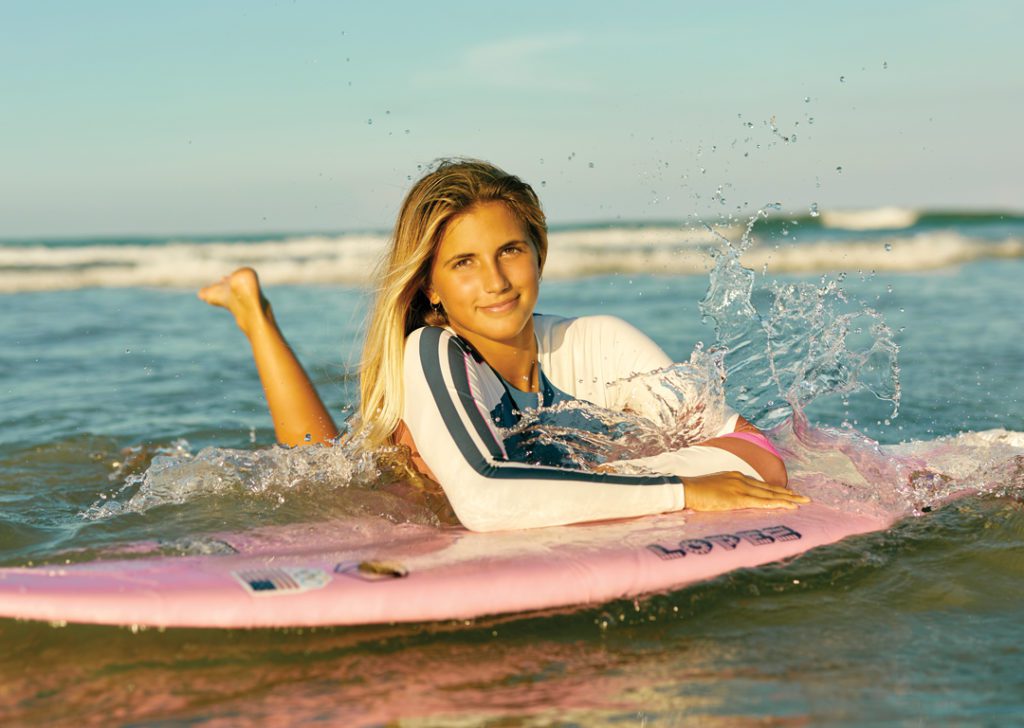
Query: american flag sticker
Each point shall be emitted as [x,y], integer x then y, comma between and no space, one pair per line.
[281,580]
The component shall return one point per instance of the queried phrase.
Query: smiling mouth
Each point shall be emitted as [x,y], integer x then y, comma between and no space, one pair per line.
[501,307]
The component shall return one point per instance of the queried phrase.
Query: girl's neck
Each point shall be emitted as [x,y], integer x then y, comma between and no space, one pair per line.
[515,361]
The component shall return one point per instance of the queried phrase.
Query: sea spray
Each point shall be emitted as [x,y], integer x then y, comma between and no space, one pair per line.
[667,409]
[789,344]
[343,478]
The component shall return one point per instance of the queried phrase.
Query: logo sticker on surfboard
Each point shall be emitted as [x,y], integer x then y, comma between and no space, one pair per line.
[372,570]
[725,542]
[282,580]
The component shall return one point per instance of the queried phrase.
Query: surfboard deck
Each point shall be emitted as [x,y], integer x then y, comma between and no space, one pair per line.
[355,572]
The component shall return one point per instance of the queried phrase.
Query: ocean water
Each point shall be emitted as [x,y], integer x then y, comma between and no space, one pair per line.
[131,412]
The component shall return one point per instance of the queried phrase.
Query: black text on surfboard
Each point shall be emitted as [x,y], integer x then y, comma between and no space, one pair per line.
[725,541]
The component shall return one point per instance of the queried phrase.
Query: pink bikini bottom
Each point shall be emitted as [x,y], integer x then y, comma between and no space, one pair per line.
[760,440]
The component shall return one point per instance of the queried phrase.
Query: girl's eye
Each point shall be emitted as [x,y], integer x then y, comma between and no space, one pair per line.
[512,250]
[460,263]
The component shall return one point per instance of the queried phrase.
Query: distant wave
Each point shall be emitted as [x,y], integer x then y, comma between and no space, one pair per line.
[346,258]
[351,258]
[880,218]
[924,251]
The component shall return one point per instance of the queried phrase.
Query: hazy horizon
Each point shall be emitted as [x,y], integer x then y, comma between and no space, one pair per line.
[154,119]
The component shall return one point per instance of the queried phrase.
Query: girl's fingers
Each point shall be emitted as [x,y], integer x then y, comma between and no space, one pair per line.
[754,501]
[759,490]
[777,490]
[727,491]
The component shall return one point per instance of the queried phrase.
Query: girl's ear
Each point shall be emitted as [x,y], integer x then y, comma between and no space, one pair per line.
[431,296]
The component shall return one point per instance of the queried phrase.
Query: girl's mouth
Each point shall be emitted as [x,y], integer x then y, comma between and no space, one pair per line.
[502,307]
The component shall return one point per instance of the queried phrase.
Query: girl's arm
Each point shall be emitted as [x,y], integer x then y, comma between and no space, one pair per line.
[449,397]
[299,415]
[604,349]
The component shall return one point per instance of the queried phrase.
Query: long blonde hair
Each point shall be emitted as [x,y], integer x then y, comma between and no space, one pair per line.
[452,188]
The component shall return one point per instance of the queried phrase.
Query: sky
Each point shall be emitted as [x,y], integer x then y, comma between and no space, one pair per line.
[187,117]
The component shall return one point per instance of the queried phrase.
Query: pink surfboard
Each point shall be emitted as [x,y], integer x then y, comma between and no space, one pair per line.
[355,572]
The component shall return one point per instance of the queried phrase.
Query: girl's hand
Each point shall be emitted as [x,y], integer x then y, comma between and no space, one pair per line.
[732,491]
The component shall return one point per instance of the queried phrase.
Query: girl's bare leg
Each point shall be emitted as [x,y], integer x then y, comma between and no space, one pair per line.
[299,415]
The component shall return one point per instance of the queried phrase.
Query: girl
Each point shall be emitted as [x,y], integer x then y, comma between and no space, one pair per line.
[454,349]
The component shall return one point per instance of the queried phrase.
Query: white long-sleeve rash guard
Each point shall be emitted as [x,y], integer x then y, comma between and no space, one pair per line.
[452,398]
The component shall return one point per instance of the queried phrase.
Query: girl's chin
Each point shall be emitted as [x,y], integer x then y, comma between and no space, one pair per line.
[494,328]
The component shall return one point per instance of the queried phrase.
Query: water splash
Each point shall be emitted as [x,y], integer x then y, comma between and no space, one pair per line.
[339,479]
[669,409]
[789,344]
[847,470]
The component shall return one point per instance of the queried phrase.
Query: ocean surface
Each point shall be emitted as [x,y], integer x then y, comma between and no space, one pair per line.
[131,412]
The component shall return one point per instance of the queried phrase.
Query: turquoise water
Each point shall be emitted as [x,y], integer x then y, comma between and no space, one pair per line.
[917,625]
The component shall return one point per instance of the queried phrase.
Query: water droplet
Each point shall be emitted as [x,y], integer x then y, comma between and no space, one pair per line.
[127,351]
[842,79]
[814,209]
[387,112]
[792,138]
[308,437]
[406,131]
[888,247]
[839,169]
[369,121]
[807,99]
[543,183]
[885,64]
[590,164]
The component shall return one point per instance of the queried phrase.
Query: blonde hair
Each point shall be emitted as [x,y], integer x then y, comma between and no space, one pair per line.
[452,188]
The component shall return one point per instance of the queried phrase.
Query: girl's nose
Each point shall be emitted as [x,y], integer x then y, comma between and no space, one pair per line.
[495,280]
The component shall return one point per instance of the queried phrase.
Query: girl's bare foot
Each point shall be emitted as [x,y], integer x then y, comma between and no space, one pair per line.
[240,294]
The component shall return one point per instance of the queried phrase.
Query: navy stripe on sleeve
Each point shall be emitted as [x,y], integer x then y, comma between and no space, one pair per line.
[491,463]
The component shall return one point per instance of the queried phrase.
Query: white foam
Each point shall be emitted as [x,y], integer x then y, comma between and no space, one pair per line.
[880,218]
[925,251]
[351,258]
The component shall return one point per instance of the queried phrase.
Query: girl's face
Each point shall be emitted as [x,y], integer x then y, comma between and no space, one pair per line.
[486,275]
